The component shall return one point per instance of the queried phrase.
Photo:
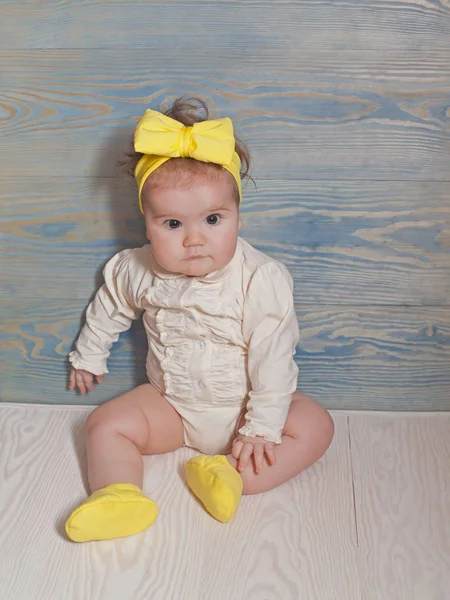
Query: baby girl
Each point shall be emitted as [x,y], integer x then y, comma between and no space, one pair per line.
[222,334]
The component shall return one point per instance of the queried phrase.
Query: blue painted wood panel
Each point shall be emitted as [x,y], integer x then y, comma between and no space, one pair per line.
[358,357]
[249,26]
[319,116]
[345,107]
[349,243]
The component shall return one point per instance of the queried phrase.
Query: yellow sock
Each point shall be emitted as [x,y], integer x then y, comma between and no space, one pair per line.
[216,484]
[115,511]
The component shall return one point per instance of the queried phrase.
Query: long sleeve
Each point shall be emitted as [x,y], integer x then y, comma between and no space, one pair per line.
[109,314]
[270,329]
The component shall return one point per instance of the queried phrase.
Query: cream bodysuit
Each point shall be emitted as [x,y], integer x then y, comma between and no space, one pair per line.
[219,345]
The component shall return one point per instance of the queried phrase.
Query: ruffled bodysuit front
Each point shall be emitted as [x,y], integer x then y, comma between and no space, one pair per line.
[219,346]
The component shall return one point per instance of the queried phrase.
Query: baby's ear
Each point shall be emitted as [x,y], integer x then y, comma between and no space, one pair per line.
[240,223]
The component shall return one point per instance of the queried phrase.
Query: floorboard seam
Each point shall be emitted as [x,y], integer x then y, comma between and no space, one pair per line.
[353,481]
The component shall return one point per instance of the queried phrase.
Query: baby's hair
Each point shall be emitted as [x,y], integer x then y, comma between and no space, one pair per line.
[187,111]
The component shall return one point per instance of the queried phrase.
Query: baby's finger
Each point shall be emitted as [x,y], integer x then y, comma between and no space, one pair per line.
[99,378]
[80,383]
[258,456]
[236,449]
[89,382]
[269,449]
[244,457]
[72,380]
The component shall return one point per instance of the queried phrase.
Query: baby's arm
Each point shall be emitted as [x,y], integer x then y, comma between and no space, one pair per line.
[270,328]
[110,313]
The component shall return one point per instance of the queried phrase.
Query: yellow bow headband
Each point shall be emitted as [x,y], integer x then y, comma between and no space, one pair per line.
[161,138]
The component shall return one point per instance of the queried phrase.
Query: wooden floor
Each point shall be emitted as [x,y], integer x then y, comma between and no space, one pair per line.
[370,521]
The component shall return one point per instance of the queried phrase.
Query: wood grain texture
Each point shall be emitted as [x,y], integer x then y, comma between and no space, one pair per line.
[402,486]
[296,541]
[354,24]
[344,242]
[344,104]
[358,357]
[304,115]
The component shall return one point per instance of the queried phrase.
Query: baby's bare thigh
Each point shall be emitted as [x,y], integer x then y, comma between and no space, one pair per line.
[145,417]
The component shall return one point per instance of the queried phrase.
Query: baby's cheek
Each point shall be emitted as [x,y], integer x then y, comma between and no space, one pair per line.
[165,244]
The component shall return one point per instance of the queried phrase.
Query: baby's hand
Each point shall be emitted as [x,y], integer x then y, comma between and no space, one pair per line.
[244,447]
[83,380]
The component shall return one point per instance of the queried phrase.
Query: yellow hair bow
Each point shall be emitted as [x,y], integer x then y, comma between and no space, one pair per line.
[161,138]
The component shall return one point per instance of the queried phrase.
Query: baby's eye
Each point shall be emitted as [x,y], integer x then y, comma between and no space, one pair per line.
[213,219]
[173,223]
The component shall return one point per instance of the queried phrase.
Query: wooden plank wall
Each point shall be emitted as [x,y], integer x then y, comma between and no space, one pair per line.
[345,105]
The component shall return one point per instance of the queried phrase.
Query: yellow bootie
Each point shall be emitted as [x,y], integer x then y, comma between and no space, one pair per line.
[115,511]
[216,484]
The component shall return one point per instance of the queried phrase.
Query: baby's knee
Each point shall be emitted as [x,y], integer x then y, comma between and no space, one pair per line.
[322,430]
[307,418]
[114,419]
[324,422]
[102,420]
[327,428]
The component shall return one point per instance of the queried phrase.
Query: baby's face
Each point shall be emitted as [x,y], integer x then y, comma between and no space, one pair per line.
[193,231]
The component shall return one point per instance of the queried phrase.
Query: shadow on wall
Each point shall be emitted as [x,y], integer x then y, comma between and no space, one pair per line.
[126,228]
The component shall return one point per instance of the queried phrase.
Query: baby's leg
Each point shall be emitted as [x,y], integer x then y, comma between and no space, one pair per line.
[306,436]
[120,431]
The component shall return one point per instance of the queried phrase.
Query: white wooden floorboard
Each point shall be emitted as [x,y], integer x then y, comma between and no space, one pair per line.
[295,542]
[401,466]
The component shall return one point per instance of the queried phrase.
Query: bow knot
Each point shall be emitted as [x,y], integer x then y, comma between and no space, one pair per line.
[207,141]
[185,140]
[159,138]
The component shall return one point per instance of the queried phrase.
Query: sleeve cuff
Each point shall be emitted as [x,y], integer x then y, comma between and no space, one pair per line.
[260,431]
[78,363]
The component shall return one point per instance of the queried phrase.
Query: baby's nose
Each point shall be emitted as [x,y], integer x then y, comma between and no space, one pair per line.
[194,238]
